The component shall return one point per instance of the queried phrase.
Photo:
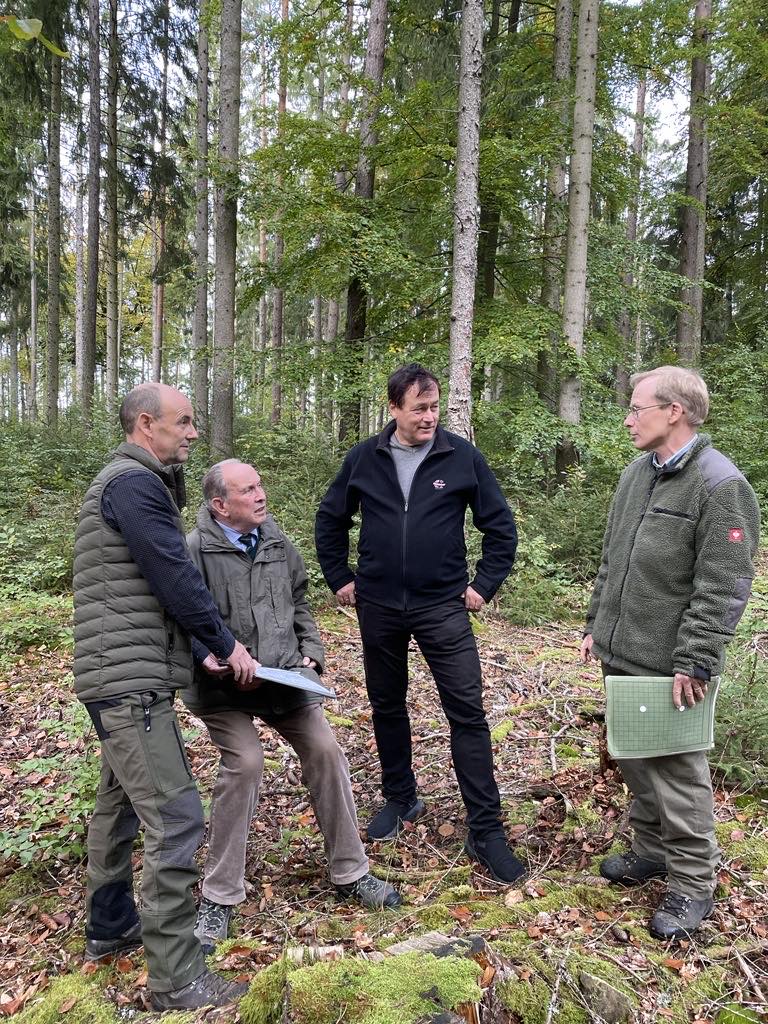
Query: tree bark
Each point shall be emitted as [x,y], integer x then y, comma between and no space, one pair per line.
[357,292]
[278,295]
[579,193]
[200,316]
[222,403]
[53,340]
[111,211]
[13,367]
[94,187]
[465,220]
[694,211]
[158,277]
[79,275]
[32,402]
[625,320]
[555,211]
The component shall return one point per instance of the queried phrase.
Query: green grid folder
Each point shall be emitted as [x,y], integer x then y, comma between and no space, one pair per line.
[643,722]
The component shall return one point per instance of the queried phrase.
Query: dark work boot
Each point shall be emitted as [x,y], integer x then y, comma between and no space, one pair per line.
[631,869]
[494,854]
[212,924]
[371,892]
[208,989]
[679,915]
[388,822]
[97,949]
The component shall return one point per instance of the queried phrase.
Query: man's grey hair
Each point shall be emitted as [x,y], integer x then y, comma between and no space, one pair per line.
[213,482]
[143,398]
[681,385]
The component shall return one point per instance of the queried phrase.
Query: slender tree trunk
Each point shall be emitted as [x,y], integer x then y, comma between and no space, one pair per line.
[53,340]
[111,205]
[278,295]
[694,212]
[625,319]
[513,22]
[341,178]
[555,211]
[32,404]
[94,186]
[357,292]
[200,317]
[490,210]
[317,304]
[579,192]
[222,404]
[79,275]
[465,220]
[158,277]
[13,367]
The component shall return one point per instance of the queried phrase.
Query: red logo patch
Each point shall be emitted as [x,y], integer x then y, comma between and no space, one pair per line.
[735,535]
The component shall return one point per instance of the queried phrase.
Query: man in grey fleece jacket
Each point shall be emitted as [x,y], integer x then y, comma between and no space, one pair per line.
[674,580]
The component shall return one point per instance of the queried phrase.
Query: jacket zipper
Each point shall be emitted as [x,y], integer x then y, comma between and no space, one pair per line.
[626,574]
[405,521]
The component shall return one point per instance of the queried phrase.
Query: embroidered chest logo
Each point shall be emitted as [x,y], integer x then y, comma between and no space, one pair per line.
[438,484]
[735,535]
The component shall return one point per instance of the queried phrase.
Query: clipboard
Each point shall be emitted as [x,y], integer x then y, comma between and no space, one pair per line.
[288,677]
[642,721]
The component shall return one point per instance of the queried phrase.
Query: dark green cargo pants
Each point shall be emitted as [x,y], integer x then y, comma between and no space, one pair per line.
[146,779]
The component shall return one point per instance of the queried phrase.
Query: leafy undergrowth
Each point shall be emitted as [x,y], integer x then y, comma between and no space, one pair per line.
[564,809]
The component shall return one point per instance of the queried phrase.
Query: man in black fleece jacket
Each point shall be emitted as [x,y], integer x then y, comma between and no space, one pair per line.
[413,484]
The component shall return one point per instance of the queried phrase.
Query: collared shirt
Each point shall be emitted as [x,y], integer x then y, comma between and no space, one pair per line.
[673,460]
[233,536]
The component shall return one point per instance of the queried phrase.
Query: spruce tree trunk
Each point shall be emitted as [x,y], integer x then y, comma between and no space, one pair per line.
[579,193]
[53,340]
[111,211]
[465,220]
[555,211]
[357,294]
[222,399]
[694,212]
[200,316]
[278,295]
[94,188]
[32,402]
[625,320]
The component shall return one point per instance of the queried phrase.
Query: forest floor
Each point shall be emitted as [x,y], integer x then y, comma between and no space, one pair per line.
[564,809]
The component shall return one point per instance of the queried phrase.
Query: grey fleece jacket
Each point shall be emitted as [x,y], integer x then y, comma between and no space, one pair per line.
[676,569]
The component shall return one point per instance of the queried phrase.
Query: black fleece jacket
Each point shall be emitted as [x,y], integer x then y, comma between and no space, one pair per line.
[413,555]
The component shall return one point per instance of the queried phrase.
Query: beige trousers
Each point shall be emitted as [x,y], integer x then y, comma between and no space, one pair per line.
[236,794]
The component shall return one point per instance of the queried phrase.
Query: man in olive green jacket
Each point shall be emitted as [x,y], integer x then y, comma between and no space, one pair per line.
[674,580]
[259,583]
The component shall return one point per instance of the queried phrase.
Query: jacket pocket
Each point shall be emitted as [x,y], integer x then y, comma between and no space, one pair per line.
[672,512]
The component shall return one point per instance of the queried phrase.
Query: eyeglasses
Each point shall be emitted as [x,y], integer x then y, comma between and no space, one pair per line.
[635,410]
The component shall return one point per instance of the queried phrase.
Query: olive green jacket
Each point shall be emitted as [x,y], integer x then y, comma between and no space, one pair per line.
[676,569]
[264,603]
